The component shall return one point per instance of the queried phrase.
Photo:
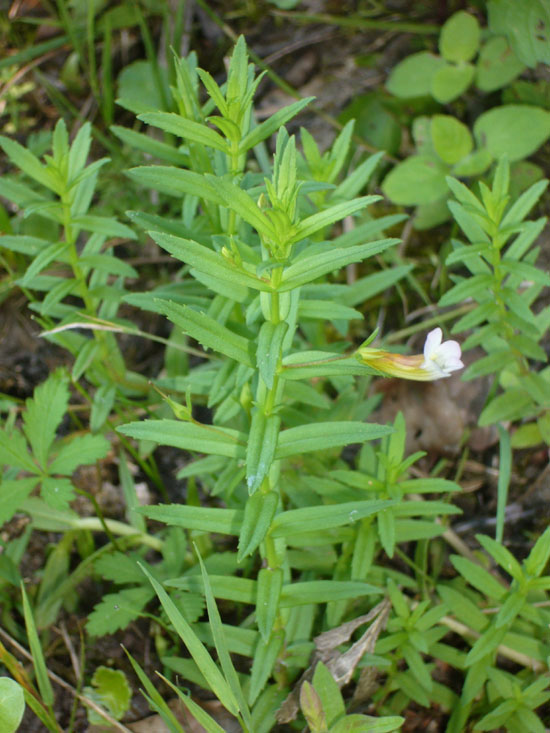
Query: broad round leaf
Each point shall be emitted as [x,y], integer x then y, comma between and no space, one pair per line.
[512,130]
[451,139]
[418,180]
[12,704]
[138,87]
[497,65]
[374,122]
[527,25]
[473,164]
[522,175]
[450,81]
[413,76]
[459,38]
[431,215]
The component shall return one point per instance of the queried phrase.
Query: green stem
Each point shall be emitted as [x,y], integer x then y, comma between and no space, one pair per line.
[118,528]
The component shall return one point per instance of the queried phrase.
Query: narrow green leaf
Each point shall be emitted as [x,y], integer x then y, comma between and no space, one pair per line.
[189,436]
[510,609]
[105,225]
[198,713]
[49,254]
[197,650]
[512,405]
[261,447]
[209,332]
[242,204]
[204,519]
[108,264]
[154,698]
[59,292]
[324,591]
[525,271]
[504,475]
[258,514]
[102,405]
[80,148]
[175,181]
[327,311]
[329,693]
[319,518]
[485,645]
[463,608]
[85,357]
[270,583]
[470,288]
[149,145]
[272,124]
[188,129]
[325,435]
[538,557]
[268,353]
[29,164]
[227,587]
[322,219]
[478,577]
[265,657]
[38,660]
[309,268]
[208,262]
[223,652]
[312,708]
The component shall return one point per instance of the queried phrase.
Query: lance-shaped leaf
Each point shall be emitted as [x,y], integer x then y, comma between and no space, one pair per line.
[323,591]
[187,129]
[209,332]
[198,651]
[175,181]
[270,583]
[272,124]
[265,656]
[268,352]
[220,642]
[325,435]
[328,259]
[207,261]
[262,443]
[202,519]
[322,219]
[188,436]
[103,225]
[149,145]
[49,254]
[242,204]
[320,518]
[29,164]
[258,515]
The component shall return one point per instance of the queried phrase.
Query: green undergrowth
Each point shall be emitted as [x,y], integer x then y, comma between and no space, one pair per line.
[294,560]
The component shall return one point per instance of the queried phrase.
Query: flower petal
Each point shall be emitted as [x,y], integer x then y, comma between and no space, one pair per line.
[433,342]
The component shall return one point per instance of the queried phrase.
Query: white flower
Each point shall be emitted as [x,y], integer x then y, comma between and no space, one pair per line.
[440,359]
